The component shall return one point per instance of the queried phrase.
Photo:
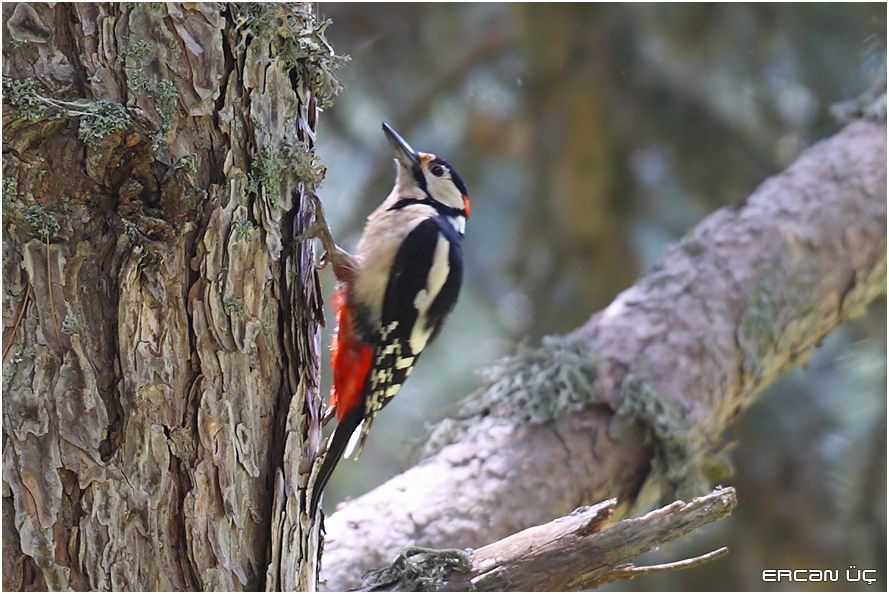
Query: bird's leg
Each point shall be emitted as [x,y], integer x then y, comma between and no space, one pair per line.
[344,264]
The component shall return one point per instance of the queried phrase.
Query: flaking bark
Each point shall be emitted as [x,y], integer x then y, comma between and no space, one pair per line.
[640,395]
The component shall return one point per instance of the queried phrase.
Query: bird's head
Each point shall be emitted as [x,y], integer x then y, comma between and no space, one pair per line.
[426,176]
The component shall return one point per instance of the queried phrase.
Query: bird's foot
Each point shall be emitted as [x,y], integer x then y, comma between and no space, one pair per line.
[342,261]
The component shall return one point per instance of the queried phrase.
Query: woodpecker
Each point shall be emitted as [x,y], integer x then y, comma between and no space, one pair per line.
[393,295]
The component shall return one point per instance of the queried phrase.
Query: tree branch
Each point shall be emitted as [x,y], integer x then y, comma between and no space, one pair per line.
[629,571]
[578,551]
[640,395]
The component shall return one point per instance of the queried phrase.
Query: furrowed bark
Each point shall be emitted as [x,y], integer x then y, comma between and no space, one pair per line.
[641,394]
[160,325]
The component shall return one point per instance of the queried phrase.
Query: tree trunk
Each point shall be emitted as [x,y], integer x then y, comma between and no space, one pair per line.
[160,352]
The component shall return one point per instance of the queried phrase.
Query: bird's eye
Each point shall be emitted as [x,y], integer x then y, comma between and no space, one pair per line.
[437,170]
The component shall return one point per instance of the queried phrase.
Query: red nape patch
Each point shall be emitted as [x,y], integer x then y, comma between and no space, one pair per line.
[466,205]
[350,358]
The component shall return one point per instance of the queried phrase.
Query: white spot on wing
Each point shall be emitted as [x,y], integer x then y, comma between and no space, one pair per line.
[404,362]
[438,274]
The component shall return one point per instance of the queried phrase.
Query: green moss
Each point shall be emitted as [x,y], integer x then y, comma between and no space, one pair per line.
[23,354]
[97,119]
[166,100]
[419,569]
[767,311]
[10,187]
[130,229]
[534,385]
[135,50]
[19,355]
[305,164]
[300,40]
[271,167]
[70,325]
[162,93]
[101,119]
[234,307]
[309,52]
[537,385]
[266,171]
[44,224]
[158,9]
[243,230]
[25,97]
[680,448]
[187,163]
[173,49]
[138,83]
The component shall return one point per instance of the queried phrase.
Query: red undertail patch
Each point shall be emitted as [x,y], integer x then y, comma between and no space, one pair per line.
[351,359]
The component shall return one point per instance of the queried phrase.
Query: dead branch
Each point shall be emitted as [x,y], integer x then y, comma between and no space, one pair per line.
[575,552]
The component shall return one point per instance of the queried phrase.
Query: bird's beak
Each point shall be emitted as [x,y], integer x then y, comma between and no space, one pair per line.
[405,154]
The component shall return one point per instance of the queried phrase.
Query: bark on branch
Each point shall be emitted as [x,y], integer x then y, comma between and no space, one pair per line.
[575,552]
[644,390]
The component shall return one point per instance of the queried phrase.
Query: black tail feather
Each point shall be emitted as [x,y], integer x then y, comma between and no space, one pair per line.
[338,443]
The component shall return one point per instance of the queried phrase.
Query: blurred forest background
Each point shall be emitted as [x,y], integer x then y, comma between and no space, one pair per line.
[592,137]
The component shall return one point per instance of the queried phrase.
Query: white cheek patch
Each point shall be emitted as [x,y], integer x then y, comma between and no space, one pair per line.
[444,190]
[438,274]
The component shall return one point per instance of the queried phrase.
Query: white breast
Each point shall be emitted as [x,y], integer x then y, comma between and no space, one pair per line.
[383,235]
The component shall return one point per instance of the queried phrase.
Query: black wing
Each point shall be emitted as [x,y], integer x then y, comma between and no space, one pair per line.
[394,356]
